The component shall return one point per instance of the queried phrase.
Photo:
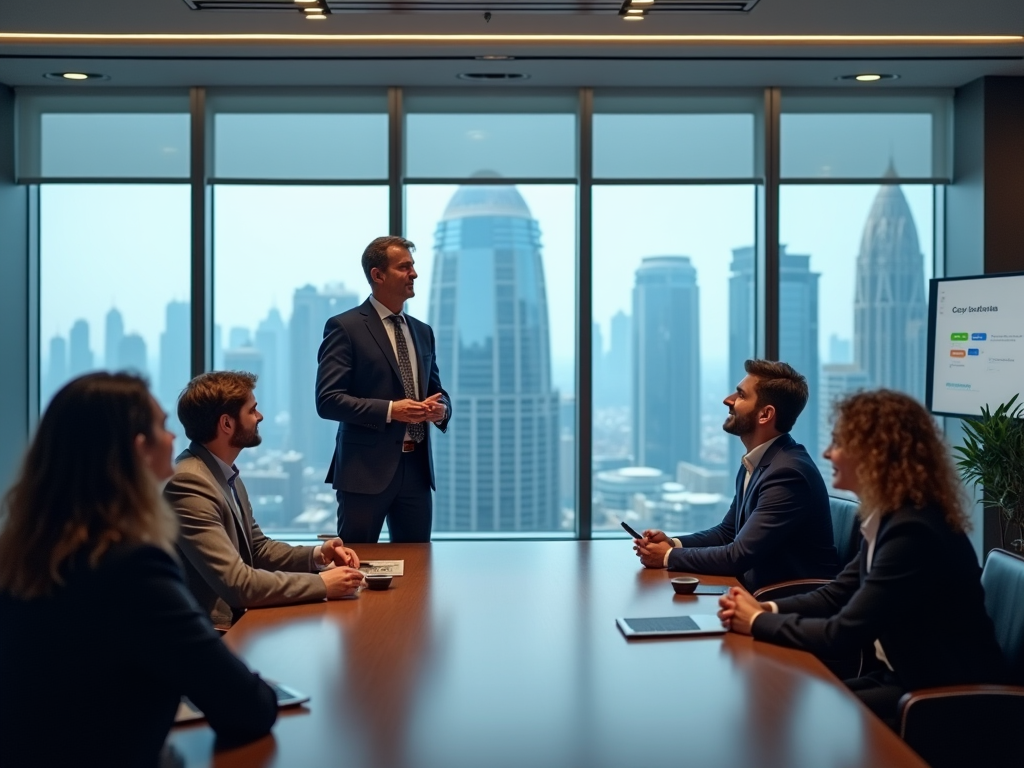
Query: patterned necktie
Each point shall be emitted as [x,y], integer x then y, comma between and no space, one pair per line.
[416,431]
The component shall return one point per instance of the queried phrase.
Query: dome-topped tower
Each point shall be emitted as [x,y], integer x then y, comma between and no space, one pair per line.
[890,308]
[497,466]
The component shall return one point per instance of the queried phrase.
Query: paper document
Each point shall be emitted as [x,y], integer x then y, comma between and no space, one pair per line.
[383,567]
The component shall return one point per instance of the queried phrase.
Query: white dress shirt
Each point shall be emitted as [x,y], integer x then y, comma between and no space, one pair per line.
[389,326]
[750,461]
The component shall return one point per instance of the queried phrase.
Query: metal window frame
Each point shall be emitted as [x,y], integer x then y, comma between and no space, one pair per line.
[202,223]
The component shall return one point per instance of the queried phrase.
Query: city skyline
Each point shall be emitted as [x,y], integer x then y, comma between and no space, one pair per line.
[281,348]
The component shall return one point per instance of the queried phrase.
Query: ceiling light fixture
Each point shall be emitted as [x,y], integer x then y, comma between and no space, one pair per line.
[74,76]
[494,57]
[633,17]
[641,2]
[107,38]
[315,16]
[312,10]
[868,77]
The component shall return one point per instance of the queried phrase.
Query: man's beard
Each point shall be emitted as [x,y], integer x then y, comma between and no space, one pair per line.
[243,439]
[740,425]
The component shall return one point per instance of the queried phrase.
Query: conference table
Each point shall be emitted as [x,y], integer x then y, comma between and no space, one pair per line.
[506,653]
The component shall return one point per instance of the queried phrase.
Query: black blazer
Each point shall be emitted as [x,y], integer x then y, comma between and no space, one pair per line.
[779,530]
[922,599]
[104,661]
[356,378]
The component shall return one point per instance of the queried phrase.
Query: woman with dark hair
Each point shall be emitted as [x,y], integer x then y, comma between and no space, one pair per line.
[99,636]
[914,592]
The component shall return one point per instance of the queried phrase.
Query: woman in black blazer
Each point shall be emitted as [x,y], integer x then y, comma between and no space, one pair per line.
[99,636]
[914,592]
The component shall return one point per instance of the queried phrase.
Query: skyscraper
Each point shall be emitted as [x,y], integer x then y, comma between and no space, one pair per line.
[618,364]
[312,436]
[57,370]
[272,342]
[497,467]
[131,353]
[890,308]
[80,359]
[798,332]
[798,336]
[114,332]
[175,363]
[666,367]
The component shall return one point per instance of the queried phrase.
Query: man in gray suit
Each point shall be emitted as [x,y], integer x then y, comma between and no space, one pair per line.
[230,565]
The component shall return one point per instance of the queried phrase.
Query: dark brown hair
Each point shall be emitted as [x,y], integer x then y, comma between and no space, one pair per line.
[780,386]
[376,254]
[82,484]
[208,397]
[902,458]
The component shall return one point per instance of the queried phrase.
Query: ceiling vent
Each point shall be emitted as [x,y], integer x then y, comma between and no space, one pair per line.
[490,77]
[566,7]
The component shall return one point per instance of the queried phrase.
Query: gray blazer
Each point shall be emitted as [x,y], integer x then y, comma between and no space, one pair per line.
[229,563]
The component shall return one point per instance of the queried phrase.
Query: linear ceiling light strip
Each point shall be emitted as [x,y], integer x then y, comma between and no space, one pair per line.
[424,38]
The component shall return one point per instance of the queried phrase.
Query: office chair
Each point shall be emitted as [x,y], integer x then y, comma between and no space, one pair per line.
[963,725]
[847,537]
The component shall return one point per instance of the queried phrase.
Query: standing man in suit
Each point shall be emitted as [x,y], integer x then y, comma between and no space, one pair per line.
[377,377]
[230,565]
[778,527]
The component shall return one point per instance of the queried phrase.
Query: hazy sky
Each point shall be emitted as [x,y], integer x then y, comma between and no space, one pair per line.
[129,246]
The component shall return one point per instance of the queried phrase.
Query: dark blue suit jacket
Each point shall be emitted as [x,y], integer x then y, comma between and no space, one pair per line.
[779,530]
[356,378]
[922,599]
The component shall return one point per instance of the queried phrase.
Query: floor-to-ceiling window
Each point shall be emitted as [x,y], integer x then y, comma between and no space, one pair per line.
[113,225]
[674,268]
[488,184]
[856,245]
[299,190]
[490,201]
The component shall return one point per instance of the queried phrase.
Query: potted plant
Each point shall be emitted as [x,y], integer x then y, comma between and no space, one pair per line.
[992,456]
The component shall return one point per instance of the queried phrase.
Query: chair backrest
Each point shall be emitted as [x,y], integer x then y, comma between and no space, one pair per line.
[1003,580]
[845,528]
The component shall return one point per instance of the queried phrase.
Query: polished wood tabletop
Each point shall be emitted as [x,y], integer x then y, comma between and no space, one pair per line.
[506,653]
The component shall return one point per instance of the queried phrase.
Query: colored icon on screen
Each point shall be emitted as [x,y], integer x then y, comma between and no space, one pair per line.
[958,337]
[958,353]
[974,351]
[979,336]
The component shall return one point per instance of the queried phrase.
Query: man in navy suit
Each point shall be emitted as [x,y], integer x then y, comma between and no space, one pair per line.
[377,377]
[778,527]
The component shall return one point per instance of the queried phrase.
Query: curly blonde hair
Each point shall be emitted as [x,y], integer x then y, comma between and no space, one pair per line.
[902,457]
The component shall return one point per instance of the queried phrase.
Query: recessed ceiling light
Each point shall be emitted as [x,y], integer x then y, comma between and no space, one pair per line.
[641,2]
[494,57]
[868,77]
[312,10]
[633,17]
[315,16]
[74,76]
[635,12]
[493,76]
[306,1]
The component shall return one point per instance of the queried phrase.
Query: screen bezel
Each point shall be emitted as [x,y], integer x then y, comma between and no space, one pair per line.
[933,295]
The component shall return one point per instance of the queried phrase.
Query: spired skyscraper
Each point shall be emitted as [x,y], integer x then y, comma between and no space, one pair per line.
[890,307]
[497,466]
[666,364]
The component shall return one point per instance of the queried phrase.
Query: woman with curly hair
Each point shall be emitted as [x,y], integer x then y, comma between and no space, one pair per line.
[99,636]
[914,591]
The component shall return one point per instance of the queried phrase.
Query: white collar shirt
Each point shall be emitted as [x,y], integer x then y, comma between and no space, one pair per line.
[389,328]
[753,458]
[869,529]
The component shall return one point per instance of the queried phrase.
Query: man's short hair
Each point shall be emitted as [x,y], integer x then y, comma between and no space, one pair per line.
[376,254]
[208,397]
[780,386]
